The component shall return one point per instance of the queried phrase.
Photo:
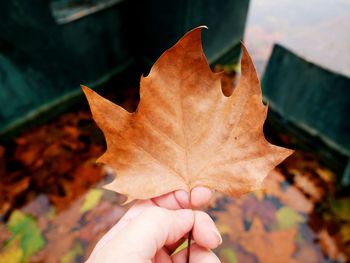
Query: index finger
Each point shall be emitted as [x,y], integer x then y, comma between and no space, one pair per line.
[200,196]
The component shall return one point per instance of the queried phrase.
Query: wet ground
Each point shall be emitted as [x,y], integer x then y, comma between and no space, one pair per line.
[281,21]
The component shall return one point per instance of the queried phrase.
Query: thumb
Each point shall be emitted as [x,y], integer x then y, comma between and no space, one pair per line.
[154,228]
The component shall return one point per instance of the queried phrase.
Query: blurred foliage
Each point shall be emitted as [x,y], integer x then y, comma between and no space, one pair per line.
[26,237]
[287,218]
[92,198]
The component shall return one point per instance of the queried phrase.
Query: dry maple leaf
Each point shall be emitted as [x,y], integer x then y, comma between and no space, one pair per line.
[185,132]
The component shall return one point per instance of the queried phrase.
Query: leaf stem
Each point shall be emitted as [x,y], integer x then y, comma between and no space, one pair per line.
[189,235]
[188,247]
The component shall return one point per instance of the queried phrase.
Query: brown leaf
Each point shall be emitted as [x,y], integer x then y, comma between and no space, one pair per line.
[330,247]
[307,254]
[264,210]
[270,247]
[306,182]
[185,132]
[230,221]
[290,196]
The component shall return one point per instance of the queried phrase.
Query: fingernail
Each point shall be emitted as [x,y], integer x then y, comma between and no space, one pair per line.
[218,235]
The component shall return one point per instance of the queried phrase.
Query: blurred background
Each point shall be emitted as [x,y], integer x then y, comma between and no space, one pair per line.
[52,207]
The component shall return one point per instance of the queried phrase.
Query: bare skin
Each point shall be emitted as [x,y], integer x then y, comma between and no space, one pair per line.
[151,230]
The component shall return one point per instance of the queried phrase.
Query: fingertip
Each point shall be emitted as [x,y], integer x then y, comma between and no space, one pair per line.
[168,201]
[200,196]
[182,198]
[205,232]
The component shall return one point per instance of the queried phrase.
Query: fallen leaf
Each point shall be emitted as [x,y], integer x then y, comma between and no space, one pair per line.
[5,234]
[99,220]
[55,248]
[270,247]
[75,254]
[60,235]
[345,232]
[21,185]
[288,218]
[265,210]
[37,207]
[341,208]
[326,174]
[70,227]
[12,252]
[330,247]
[87,173]
[290,196]
[260,194]
[308,254]
[185,132]
[54,159]
[306,183]
[229,255]
[25,228]
[295,199]
[91,200]
[230,221]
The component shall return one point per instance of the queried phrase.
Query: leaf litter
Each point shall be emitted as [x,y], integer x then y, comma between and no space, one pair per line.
[48,176]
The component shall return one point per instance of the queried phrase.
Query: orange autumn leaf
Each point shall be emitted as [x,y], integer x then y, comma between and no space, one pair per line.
[185,132]
[270,247]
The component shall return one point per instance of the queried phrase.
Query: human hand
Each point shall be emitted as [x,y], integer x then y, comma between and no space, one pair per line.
[151,231]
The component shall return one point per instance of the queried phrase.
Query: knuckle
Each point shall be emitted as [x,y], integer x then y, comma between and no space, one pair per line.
[156,212]
[203,216]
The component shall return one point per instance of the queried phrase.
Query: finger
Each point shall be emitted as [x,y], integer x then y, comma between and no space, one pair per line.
[132,213]
[162,257]
[155,227]
[198,254]
[200,196]
[174,200]
[182,198]
[205,233]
